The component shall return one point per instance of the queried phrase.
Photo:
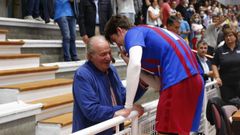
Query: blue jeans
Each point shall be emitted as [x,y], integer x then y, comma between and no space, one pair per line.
[67,25]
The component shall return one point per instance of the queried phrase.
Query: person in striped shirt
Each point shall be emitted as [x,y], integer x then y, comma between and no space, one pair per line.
[164,61]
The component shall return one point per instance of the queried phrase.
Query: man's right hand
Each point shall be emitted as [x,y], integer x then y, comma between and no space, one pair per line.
[124,112]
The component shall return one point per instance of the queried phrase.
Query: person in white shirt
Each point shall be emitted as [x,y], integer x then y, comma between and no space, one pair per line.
[154,14]
[125,8]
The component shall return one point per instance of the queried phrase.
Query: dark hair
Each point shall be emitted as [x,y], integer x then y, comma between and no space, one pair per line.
[227,31]
[115,22]
[172,19]
[201,42]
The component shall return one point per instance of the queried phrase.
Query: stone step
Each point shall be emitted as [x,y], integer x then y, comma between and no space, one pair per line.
[67,69]
[16,76]
[31,29]
[17,110]
[18,61]
[35,90]
[11,47]
[51,50]
[3,34]
[58,125]
[55,105]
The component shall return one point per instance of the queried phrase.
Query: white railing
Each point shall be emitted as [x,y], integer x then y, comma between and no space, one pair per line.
[116,121]
[145,125]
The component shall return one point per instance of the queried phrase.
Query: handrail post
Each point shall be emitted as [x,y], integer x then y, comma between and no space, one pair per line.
[135,124]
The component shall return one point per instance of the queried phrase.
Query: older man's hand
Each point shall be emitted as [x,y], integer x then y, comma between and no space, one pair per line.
[124,112]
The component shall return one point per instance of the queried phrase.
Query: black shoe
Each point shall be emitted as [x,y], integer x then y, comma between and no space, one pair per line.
[76,60]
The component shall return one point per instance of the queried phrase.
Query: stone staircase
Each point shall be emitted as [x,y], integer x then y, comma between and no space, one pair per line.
[25,82]
[35,83]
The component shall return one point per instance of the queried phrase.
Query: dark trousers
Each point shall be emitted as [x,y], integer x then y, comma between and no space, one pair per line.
[32,8]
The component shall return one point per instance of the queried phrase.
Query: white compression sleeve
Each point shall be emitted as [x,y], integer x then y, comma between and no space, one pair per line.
[133,74]
[151,80]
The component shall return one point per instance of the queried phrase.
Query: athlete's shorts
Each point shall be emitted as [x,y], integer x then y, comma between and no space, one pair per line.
[180,106]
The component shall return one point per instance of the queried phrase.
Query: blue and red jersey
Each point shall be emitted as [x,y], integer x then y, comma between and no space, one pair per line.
[165,54]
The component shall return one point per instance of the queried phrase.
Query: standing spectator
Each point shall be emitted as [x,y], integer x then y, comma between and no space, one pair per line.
[167,57]
[146,4]
[166,10]
[226,66]
[203,61]
[47,8]
[184,27]
[212,31]
[138,9]
[173,6]
[182,8]
[197,29]
[191,10]
[126,8]
[67,23]
[93,15]
[97,89]
[208,18]
[154,14]
[32,10]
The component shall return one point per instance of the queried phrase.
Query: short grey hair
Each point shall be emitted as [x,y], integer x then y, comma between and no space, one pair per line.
[93,40]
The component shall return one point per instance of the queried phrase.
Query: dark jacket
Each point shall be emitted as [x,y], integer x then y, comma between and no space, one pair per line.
[209,63]
[87,16]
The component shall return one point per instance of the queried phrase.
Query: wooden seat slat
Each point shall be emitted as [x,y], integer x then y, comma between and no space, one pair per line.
[27,70]
[38,84]
[55,101]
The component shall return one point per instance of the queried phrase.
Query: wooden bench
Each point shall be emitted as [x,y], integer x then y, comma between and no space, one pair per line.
[24,75]
[35,90]
[18,61]
[58,125]
[55,105]
[61,124]
[11,47]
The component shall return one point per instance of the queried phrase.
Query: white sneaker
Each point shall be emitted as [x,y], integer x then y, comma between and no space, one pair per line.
[29,17]
[39,19]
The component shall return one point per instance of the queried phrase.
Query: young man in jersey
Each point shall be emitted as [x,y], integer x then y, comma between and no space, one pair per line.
[172,65]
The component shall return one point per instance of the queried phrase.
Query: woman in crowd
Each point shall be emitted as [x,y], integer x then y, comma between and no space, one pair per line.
[226,66]
[154,14]
[197,29]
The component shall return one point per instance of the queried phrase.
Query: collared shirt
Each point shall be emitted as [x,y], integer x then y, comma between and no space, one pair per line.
[97,15]
[228,62]
[203,61]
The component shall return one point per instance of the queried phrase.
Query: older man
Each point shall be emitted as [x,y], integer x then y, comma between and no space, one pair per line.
[97,89]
